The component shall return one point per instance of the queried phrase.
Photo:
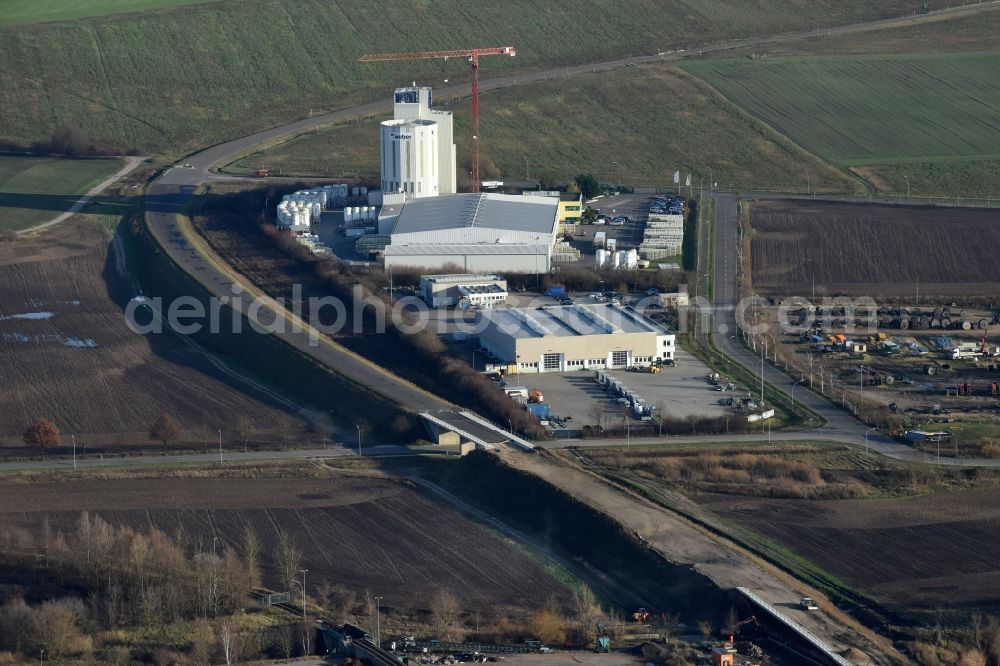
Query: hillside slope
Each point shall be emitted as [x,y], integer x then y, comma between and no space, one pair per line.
[170,81]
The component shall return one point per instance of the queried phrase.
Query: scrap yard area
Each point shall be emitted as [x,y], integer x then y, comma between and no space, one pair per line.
[896,327]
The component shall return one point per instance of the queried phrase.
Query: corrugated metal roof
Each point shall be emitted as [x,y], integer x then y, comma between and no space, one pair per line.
[484,210]
[570,321]
[481,248]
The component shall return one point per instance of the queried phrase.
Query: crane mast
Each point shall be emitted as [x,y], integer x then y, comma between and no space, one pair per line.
[473,56]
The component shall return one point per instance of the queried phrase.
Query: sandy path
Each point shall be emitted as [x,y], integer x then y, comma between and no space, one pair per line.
[130,164]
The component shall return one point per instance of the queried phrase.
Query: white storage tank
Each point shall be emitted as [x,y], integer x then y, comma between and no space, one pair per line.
[632,259]
[616,259]
[372,214]
[347,214]
[602,258]
[364,191]
[354,191]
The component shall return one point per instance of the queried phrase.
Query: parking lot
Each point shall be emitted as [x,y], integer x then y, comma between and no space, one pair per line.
[682,389]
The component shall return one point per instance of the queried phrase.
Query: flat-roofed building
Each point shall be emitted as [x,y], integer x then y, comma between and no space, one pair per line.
[574,337]
[479,291]
[475,232]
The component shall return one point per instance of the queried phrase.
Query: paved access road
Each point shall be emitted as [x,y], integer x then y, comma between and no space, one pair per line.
[168,194]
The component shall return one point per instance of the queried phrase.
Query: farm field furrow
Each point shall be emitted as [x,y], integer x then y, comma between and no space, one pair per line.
[68,354]
[671,121]
[855,110]
[36,11]
[802,247]
[922,551]
[364,533]
[196,75]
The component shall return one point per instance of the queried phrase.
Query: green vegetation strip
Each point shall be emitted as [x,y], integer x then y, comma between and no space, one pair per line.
[938,105]
[33,190]
[670,121]
[36,11]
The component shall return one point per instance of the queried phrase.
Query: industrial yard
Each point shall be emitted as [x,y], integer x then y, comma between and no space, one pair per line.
[449,397]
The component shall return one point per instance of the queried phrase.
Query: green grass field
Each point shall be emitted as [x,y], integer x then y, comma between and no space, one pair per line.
[36,11]
[651,120]
[867,110]
[173,80]
[33,190]
[945,178]
[973,31]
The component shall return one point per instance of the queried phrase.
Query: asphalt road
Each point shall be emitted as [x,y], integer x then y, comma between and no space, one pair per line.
[168,194]
[841,426]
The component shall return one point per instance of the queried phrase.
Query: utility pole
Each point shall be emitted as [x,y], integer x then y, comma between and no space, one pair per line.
[526,176]
[304,571]
[73,437]
[220,446]
[358,426]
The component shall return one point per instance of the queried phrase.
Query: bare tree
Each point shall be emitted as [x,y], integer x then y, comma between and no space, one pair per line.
[251,553]
[289,558]
[245,430]
[228,635]
[336,600]
[164,429]
[705,627]
[42,433]
[284,639]
[305,639]
[444,612]
[669,625]
[586,609]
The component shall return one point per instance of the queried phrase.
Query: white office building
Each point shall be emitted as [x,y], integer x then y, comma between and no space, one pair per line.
[417,147]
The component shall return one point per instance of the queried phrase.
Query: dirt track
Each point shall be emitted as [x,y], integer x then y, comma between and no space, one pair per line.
[68,355]
[865,250]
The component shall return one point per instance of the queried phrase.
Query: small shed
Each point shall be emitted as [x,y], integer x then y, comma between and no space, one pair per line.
[722,657]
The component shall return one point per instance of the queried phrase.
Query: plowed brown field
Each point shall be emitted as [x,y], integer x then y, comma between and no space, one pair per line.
[935,551]
[364,533]
[801,247]
[67,354]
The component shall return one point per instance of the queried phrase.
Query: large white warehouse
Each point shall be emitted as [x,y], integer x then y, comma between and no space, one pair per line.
[479,233]
[416,146]
[574,337]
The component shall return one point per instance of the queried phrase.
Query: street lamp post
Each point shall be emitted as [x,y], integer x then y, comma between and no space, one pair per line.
[526,176]
[304,571]
[358,426]
[907,187]
[808,182]
[73,437]
[220,446]
[378,621]
[866,438]
[793,391]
